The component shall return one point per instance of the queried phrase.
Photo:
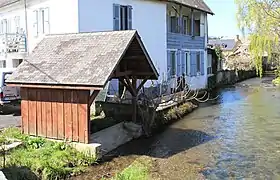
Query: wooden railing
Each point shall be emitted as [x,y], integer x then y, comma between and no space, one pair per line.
[12,43]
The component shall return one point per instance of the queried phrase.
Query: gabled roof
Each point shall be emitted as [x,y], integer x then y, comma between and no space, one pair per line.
[82,59]
[227,44]
[196,4]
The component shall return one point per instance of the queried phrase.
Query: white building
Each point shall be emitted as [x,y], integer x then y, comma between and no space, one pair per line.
[174,34]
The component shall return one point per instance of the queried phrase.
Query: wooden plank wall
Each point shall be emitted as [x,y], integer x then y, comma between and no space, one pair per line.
[55,113]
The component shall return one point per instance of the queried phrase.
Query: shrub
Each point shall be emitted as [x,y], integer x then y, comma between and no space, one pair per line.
[47,159]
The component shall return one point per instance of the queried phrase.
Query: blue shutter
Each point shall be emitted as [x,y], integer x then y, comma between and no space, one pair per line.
[178,62]
[116,14]
[129,16]
[202,68]
[168,64]
[183,62]
[193,64]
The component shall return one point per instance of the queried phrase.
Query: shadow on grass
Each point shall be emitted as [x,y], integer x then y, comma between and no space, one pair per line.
[19,173]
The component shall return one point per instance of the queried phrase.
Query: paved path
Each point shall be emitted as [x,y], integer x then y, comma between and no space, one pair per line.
[10,117]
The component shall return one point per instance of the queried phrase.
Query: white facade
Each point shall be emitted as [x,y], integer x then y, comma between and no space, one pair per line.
[41,17]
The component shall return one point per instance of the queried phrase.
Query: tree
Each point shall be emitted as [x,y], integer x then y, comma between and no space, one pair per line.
[261,18]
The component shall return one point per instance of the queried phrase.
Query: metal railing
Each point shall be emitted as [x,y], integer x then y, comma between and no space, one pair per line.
[12,43]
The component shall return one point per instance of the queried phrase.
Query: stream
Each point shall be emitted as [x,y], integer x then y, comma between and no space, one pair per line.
[236,136]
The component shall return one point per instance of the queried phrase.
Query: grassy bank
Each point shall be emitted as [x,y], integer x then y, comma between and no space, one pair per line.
[43,159]
[138,170]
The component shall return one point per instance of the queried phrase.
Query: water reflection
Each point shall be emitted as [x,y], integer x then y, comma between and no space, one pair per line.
[247,122]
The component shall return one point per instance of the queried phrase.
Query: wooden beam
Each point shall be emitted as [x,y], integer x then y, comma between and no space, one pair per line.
[126,85]
[142,84]
[132,73]
[120,74]
[130,85]
[93,96]
[134,101]
[56,86]
[141,57]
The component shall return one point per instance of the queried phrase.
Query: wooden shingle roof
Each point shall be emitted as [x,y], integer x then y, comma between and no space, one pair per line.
[82,59]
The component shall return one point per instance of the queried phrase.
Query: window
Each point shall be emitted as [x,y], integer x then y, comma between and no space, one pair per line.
[4,26]
[187,57]
[196,27]
[209,64]
[44,21]
[187,25]
[173,63]
[198,68]
[173,24]
[3,64]
[122,17]
[17,24]
[16,62]
[41,21]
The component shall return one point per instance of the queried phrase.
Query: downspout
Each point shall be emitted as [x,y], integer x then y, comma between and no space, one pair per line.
[26,27]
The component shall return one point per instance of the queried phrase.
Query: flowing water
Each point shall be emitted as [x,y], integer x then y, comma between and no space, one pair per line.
[235,137]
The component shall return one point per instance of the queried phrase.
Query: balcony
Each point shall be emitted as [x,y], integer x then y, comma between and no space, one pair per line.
[186,28]
[183,41]
[13,45]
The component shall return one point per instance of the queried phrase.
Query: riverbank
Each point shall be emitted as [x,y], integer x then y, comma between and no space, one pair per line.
[216,141]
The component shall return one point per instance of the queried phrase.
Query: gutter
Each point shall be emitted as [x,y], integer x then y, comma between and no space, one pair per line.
[175,2]
[9,3]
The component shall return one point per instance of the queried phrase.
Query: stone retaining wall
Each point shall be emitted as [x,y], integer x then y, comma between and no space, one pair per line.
[229,77]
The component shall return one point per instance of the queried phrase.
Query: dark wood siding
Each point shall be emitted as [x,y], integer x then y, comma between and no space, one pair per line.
[55,113]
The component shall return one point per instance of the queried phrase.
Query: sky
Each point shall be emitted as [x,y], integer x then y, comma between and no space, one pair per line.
[224,22]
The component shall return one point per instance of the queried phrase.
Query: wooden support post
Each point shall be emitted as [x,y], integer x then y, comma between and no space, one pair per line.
[92,97]
[142,84]
[192,22]
[134,101]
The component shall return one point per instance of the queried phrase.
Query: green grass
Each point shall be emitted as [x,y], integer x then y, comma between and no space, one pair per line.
[46,159]
[138,170]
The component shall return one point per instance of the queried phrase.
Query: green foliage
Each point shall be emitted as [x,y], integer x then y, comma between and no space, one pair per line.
[261,18]
[178,112]
[139,170]
[276,81]
[47,159]
[219,52]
